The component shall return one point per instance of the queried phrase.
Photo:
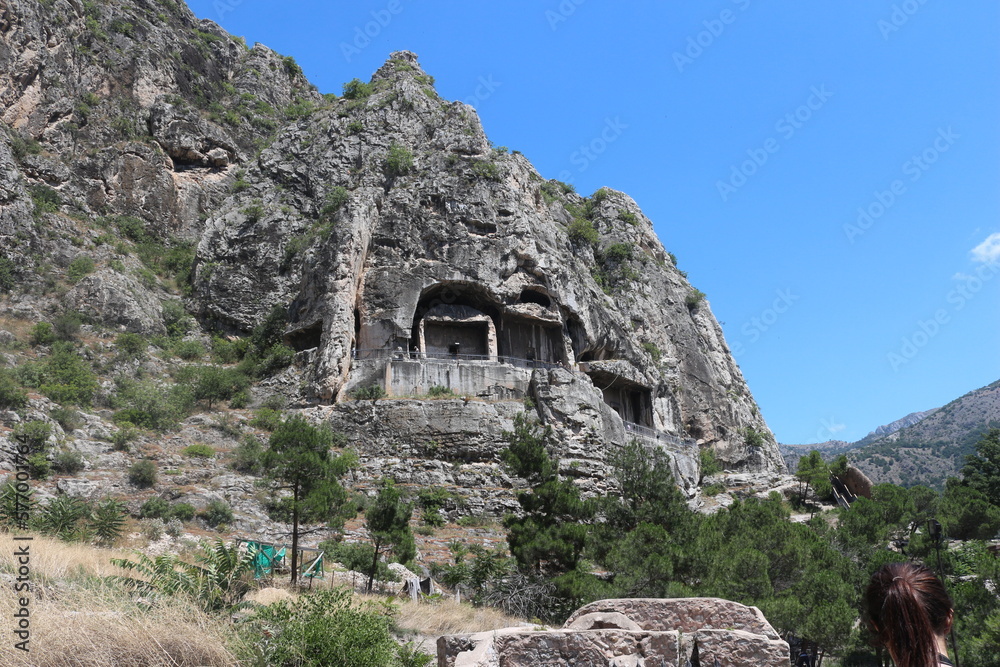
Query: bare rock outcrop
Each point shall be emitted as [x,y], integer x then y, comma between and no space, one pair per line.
[630,632]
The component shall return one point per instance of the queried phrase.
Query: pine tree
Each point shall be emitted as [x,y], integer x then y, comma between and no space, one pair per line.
[304,477]
[388,524]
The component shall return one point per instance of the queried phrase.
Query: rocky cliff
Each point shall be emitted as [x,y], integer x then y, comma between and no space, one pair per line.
[409,256]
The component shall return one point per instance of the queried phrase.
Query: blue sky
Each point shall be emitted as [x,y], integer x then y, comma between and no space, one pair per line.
[823,171]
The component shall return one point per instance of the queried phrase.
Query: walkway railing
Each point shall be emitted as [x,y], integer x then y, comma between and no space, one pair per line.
[658,436]
[414,355]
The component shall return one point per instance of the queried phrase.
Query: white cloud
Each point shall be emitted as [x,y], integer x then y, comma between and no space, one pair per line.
[989,250]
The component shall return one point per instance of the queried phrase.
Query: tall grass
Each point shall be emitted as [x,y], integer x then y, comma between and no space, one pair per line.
[80,620]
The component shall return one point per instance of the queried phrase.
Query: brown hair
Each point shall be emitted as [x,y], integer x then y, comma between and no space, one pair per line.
[908,608]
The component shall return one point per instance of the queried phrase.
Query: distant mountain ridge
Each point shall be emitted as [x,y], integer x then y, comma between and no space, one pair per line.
[924,447]
[833,448]
[889,429]
[934,448]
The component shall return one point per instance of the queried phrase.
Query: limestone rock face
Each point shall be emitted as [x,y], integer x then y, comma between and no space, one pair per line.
[116,300]
[661,632]
[407,251]
[465,253]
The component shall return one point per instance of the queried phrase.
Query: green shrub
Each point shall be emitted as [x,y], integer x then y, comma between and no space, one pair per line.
[240,400]
[68,461]
[67,326]
[581,231]
[146,404]
[267,419]
[125,434]
[713,489]
[653,351]
[38,465]
[130,345]
[82,265]
[189,350]
[694,299]
[67,377]
[333,202]
[215,383]
[35,434]
[68,418]
[218,513]
[8,270]
[627,217]
[398,162]
[709,463]
[198,450]
[355,127]
[369,393]
[42,334]
[176,319]
[356,89]
[275,402]
[46,199]
[182,511]
[440,391]
[225,351]
[155,508]
[487,170]
[142,473]
[618,252]
[321,629]
[247,455]
[12,396]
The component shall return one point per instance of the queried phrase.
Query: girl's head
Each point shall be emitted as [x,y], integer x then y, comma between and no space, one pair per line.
[908,610]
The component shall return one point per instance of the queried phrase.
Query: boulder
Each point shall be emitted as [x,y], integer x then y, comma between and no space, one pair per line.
[630,633]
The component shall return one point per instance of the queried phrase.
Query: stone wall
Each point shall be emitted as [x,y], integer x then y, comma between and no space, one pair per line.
[630,633]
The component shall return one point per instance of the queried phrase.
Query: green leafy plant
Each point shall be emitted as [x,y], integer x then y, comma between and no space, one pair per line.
[218,580]
[218,513]
[68,461]
[42,334]
[108,521]
[368,393]
[12,395]
[356,89]
[398,162]
[81,266]
[198,450]
[142,473]
[321,629]
[440,391]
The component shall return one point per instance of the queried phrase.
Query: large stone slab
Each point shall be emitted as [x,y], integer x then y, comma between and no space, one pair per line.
[682,632]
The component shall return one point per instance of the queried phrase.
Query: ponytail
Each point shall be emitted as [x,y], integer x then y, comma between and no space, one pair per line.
[908,608]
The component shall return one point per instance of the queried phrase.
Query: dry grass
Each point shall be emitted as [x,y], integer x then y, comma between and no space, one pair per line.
[53,559]
[270,595]
[96,625]
[447,617]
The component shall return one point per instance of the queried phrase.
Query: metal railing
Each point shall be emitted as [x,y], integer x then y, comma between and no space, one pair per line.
[658,436]
[414,355]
